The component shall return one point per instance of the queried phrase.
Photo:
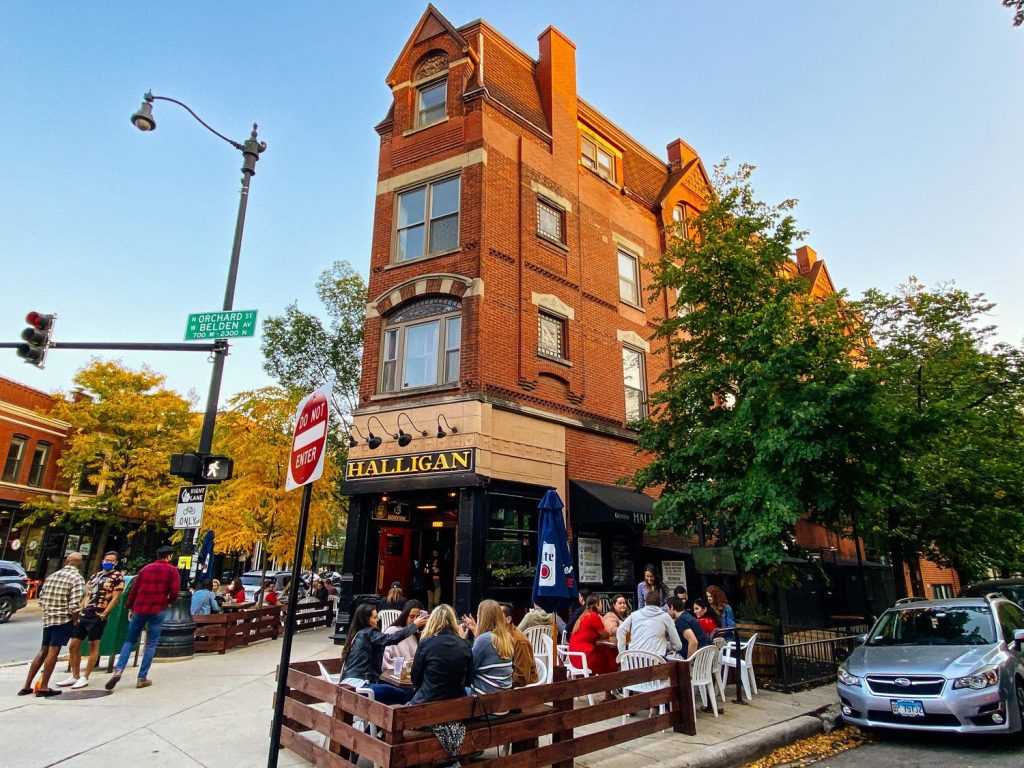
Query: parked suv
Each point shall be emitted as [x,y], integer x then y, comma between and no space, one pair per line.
[1011,589]
[253,582]
[944,665]
[13,589]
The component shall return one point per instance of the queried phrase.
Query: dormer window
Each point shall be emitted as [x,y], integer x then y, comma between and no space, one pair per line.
[431,103]
[597,158]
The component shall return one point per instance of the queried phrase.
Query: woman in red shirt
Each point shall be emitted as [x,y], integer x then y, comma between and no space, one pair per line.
[705,616]
[237,591]
[588,630]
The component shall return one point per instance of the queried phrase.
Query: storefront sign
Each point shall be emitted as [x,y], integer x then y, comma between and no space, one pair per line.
[673,573]
[637,518]
[393,512]
[461,460]
[591,565]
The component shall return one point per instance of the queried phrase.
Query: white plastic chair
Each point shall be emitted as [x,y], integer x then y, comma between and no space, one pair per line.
[386,618]
[639,660]
[702,676]
[728,660]
[542,645]
[328,709]
[719,645]
[504,750]
[576,666]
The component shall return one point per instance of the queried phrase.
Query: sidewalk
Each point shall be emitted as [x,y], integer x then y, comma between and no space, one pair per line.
[214,712]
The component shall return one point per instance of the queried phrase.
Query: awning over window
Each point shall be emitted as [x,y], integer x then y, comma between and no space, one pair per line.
[599,503]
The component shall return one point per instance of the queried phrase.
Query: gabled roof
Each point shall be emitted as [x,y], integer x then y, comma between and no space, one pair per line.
[431,23]
[693,175]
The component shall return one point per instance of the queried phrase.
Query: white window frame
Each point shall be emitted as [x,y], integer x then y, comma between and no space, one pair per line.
[563,327]
[428,220]
[394,351]
[597,157]
[15,458]
[37,468]
[433,85]
[633,299]
[681,222]
[640,357]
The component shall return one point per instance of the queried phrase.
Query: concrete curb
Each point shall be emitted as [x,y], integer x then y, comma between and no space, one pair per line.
[750,746]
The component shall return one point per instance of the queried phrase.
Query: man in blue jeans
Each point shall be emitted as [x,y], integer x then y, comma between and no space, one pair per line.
[149,597]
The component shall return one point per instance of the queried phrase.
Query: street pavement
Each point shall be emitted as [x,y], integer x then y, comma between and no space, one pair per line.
[214,712]
[913,750]
[20,637]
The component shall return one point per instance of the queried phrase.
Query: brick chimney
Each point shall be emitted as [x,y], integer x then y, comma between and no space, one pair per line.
[680,153]
[556,77]
[805,258]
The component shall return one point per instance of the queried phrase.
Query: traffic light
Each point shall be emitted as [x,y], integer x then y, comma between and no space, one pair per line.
[37,336]
[216,469]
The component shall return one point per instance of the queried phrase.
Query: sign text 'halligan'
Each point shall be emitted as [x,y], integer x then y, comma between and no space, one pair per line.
[461,460]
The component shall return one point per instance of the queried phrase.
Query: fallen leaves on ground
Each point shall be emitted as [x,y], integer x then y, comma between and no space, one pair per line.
[811,750]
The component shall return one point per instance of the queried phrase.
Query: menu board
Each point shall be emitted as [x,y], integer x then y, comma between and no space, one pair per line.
[591,564]
[622,563]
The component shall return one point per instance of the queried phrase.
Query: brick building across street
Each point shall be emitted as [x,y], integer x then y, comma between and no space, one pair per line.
[507,339]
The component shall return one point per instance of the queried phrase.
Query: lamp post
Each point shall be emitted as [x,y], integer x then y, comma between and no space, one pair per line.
[179,625]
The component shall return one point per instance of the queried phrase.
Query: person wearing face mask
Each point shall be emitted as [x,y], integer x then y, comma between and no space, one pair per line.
[101,593]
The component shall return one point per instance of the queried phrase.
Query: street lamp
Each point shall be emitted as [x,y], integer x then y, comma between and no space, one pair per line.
[251,148]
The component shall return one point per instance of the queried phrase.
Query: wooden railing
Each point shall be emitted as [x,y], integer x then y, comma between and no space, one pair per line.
[312,614]
[535,711]
[220,632]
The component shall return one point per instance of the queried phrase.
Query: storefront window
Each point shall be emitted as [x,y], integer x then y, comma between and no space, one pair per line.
[511,547]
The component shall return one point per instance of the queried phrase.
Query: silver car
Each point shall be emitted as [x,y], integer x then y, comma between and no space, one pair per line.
[944,665]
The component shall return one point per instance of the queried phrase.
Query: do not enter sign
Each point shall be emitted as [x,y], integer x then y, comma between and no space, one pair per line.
[306,462]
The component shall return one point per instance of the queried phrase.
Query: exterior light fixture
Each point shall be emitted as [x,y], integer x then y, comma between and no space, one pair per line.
[404,438]
[373,441]
[440,432]
[352,442]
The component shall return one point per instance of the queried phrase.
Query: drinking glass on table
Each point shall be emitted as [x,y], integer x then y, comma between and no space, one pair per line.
[399,665]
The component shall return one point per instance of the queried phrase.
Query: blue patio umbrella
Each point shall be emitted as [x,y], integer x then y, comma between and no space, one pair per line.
[205,561]
[554,583]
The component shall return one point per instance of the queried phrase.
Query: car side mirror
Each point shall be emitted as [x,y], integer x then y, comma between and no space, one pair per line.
[862,639]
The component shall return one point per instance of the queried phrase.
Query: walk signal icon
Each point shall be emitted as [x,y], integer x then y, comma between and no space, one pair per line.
[37,338]
[216,469]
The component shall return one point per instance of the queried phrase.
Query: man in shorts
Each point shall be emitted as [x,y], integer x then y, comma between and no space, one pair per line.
[61,601]
[101,593]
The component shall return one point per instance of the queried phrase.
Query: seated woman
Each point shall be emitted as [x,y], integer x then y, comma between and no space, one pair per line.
[394,600]
[443,665]
[705,616]
[617,615]
[588,630]
[407,648]
[364,650]
[720,605]
[493,649]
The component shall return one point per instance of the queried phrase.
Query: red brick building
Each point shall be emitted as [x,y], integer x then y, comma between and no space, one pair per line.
[508,325]
[30,443]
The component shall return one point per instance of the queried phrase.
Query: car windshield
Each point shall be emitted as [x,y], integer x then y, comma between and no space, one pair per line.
[969,625]
[252,581]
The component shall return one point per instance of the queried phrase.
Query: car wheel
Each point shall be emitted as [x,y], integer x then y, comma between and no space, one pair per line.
[6,608]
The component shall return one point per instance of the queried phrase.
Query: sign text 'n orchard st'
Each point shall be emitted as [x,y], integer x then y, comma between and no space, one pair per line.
[414,464]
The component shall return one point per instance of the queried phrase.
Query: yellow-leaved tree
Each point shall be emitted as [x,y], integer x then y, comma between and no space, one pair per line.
[124,427]
[254,507]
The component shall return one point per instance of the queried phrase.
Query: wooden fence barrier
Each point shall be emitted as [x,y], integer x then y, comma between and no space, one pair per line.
[535,711]
[311,614]
[221,632]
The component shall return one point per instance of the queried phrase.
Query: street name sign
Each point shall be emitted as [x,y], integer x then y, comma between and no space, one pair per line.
[189,512]
[306,462]
[220,325]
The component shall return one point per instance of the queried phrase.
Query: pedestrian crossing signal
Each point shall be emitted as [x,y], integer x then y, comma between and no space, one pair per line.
[216,469]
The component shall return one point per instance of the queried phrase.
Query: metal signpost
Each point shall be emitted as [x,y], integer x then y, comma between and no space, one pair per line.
[305,466]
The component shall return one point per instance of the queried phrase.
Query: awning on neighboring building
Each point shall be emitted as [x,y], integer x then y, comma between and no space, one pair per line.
[599,503]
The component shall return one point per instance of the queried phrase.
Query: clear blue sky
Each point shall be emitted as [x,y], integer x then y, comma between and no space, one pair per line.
[898,126]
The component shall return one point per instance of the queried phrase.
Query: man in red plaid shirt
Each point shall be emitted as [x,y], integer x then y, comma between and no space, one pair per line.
[149,597]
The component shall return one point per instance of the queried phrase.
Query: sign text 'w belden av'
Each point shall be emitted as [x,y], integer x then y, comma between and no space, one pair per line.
[460,460]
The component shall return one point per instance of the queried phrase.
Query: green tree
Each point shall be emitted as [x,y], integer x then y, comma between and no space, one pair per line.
[951,401]
[301,352]
[124,427]
[761,414]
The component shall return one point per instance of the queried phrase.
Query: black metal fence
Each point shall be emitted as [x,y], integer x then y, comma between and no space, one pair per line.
[794,658]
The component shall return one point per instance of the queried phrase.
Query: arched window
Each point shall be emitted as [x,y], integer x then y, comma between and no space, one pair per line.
[681,221]
[431,96]
[422,345]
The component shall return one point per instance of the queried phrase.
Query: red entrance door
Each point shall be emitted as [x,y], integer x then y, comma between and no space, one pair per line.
[394,562]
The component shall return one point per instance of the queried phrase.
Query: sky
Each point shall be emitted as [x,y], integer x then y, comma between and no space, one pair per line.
[897,125]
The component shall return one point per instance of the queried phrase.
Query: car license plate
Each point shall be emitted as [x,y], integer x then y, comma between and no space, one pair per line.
[907,707]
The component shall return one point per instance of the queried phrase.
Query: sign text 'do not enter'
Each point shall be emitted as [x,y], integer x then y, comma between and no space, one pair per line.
[307,455]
